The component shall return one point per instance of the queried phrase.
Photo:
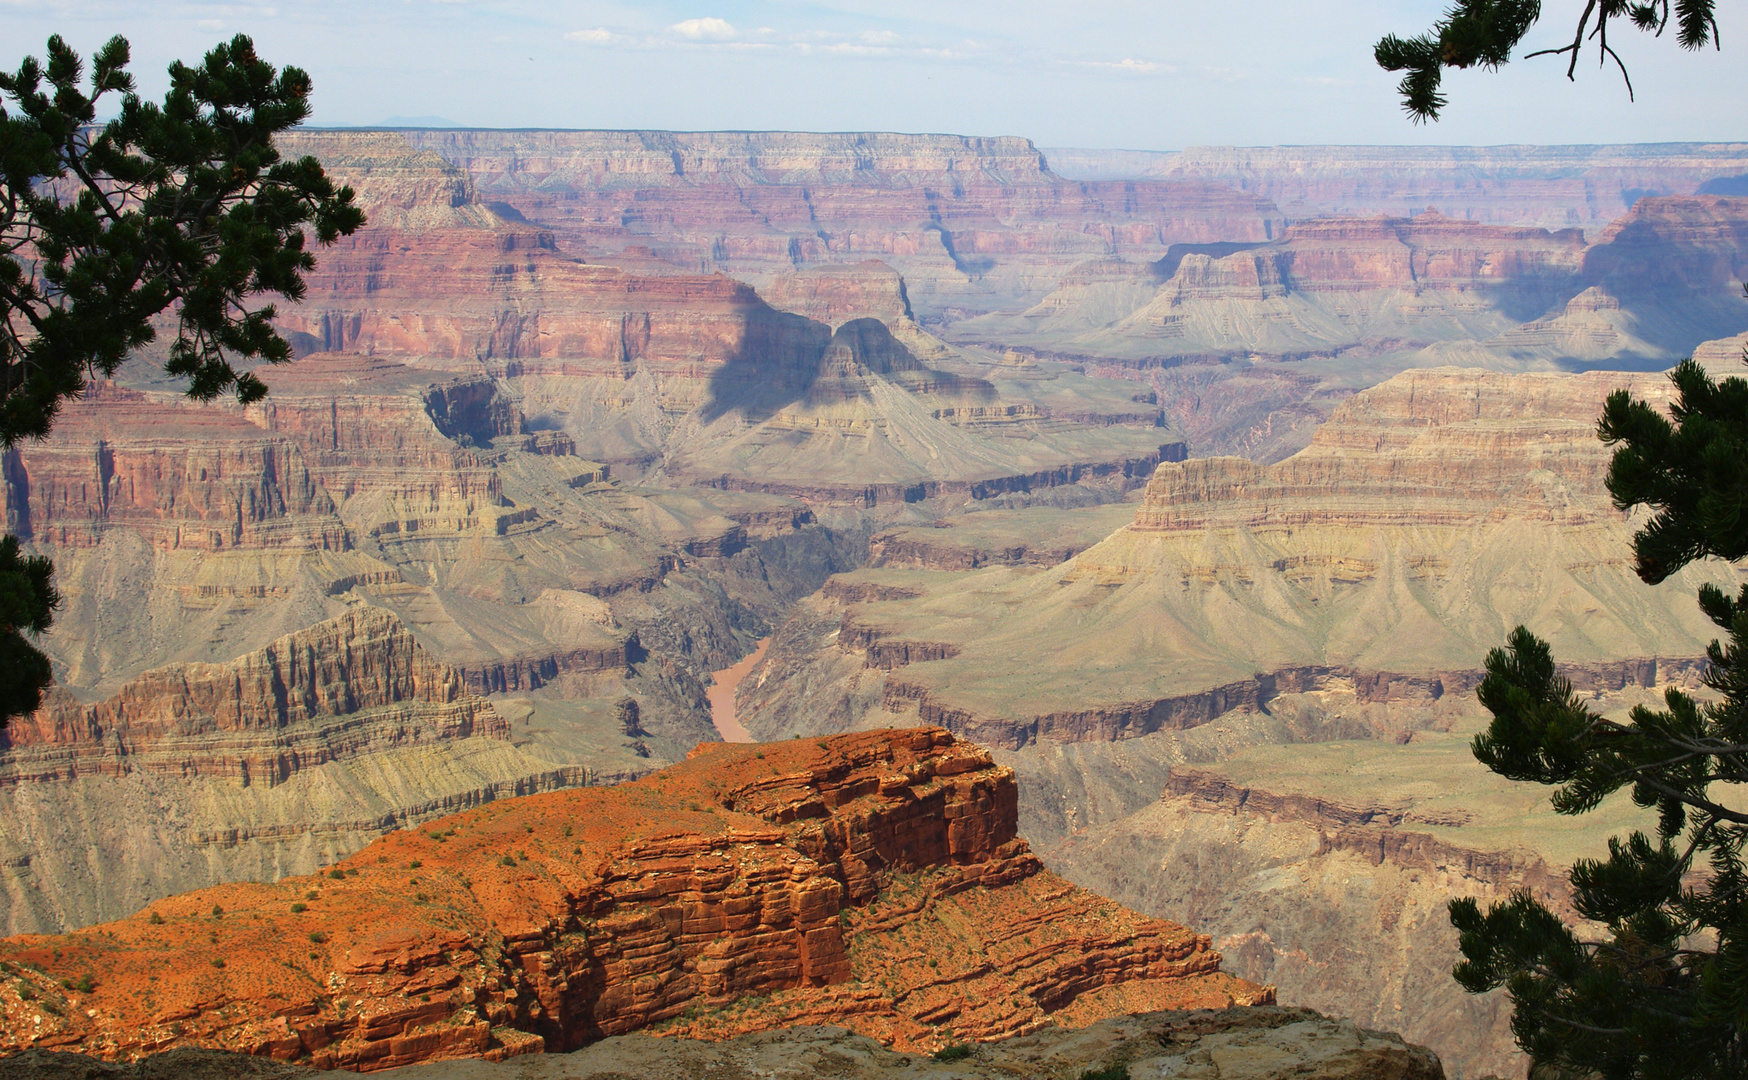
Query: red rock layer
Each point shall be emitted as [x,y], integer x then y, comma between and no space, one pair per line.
[504,295]
[331,691]
[182,474]
[1358,255]
[849,879]
[1428,251]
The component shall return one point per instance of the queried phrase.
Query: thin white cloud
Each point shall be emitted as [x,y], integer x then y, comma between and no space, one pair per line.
[597,36]
[1130,65]
[706,29]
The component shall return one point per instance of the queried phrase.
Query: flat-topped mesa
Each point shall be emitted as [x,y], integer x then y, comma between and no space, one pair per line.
[745,889]
[1440,446]
[457,293]
[351,685]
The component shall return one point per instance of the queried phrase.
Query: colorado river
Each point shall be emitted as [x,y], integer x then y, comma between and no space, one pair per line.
[720,694]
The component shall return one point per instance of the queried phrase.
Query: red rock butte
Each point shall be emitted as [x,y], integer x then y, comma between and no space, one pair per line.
[871,880]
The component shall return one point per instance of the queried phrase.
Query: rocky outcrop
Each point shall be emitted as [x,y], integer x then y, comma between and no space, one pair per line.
[1247,1043]
[341,687]
[1252,1043]
[1121,473]
[803,877]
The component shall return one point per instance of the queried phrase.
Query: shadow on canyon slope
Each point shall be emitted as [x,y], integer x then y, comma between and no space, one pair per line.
[788,360]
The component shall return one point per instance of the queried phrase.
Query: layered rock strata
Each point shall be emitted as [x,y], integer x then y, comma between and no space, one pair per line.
[356,682]
[646,365]
[272,763]
[1554,187]
[873,880]
[1251,1043]
[1290,652]
[1426,290]
[1429,516]
[962,217]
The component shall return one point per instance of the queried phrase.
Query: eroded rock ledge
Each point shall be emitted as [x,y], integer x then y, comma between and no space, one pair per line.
[1233,1044]
[871,880]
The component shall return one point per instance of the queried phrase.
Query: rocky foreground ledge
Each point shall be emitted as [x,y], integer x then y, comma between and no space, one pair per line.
[871,881]
[1262,1043]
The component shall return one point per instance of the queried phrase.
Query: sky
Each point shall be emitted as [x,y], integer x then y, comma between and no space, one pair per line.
[1159,75]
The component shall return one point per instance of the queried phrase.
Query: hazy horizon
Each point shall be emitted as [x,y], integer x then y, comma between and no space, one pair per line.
[1108,74]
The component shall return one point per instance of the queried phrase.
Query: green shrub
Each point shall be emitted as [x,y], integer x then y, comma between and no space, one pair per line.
[1109,1072]
[299,909]
[155,919]
[953,1052]
[317,937]
[508,860]
[337,874]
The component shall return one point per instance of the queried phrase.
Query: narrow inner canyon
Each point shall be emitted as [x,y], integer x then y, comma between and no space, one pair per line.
[723,685]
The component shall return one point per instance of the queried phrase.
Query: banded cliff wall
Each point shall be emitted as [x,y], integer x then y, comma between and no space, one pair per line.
[1553,187]
[964,218]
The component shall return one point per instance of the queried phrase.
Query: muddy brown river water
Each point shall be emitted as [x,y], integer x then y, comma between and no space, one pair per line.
[720,694]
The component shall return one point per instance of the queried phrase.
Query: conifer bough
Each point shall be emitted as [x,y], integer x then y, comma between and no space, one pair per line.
[1657,985]
[1482,33]
[183,208]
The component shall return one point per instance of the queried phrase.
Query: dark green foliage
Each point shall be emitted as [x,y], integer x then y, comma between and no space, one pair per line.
[1482,33]
[953,1052]
[27,606]
[1109,1072]
[1690,471]
[1659,985]
[182,208]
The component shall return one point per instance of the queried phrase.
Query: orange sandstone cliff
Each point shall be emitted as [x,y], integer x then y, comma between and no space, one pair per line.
[871,880]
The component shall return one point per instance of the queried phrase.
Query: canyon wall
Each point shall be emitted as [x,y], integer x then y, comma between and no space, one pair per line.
[965,219]
[272,763]
[1553,187]
[745,889]
[1288,653]
[1424,290]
